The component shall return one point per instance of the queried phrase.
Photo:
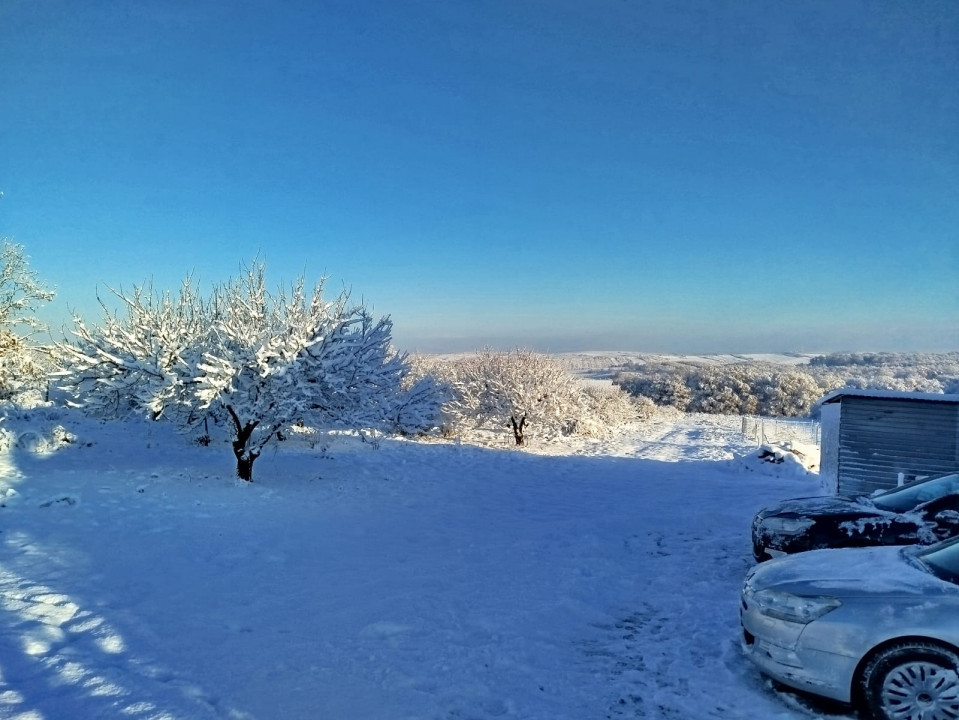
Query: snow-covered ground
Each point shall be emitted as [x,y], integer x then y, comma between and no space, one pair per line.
[596,579]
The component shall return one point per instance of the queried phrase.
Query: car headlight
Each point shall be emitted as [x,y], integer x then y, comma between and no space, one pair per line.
[793,608]
[787,525]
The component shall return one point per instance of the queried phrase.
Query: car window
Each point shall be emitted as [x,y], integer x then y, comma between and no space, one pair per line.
[905,498]
[943,560]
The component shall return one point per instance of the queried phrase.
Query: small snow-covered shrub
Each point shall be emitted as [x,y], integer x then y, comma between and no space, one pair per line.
[645,408]
[38,429]
[606,407]
[23,369]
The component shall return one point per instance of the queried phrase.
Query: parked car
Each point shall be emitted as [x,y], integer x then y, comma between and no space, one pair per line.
[923,511]
[874,627]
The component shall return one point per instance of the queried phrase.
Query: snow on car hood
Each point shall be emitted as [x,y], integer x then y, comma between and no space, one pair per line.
[849,572]
[825,505]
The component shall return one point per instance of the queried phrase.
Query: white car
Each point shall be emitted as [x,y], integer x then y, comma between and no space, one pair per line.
[874,627]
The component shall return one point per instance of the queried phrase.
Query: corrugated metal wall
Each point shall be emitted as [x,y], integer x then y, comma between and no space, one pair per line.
[880,438]
[829,447]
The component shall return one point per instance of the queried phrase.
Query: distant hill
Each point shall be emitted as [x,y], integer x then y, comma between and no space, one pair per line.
[600,360]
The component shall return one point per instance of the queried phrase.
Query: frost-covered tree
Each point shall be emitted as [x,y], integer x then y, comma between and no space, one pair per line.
[21,290]
[426,387]
[722,390]
[21,294]
[518,390]
[787,394]
[524,394]
[143,359]
[258,360]
[665,387]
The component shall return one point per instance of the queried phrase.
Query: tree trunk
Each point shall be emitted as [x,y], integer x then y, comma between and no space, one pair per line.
[518,429]
[244,464]
[244,456]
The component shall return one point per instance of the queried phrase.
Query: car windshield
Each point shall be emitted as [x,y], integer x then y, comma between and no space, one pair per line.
[942,560]
[905,498]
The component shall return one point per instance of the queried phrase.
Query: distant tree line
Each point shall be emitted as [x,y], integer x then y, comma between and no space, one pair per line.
[772,390]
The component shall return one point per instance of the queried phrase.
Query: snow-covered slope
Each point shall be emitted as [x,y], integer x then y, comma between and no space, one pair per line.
[138,579]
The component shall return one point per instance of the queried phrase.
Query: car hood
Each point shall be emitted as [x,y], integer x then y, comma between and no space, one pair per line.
[825,506]
[850,572]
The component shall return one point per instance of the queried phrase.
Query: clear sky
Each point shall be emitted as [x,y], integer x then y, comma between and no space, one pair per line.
[555,174]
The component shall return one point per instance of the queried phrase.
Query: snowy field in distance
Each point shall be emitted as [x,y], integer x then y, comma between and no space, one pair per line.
[595,580]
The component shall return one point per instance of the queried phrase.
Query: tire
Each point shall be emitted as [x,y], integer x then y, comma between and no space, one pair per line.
[911,681]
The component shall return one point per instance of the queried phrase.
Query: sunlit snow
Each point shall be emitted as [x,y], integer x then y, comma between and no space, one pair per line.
[585,579]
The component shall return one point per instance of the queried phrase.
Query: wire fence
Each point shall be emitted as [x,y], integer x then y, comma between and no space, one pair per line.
[781,430]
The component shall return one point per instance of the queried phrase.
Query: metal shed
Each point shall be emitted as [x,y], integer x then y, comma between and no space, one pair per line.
[875,439]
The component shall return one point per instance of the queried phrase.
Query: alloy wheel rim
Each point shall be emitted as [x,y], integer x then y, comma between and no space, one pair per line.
[921,691]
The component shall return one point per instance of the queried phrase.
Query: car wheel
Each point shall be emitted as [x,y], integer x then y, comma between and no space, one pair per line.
[912,681]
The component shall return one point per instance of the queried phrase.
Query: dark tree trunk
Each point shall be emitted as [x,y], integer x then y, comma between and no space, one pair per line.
[244,464]
[244,456]
[518,429]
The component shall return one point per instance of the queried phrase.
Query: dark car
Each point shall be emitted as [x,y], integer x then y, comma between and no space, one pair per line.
[923,511]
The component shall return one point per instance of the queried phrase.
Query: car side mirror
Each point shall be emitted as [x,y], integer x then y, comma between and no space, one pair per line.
[947,517]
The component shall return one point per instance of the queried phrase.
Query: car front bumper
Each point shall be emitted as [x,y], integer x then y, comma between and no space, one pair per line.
[788,652]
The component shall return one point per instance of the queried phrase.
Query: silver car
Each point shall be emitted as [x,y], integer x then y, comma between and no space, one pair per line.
[874,627]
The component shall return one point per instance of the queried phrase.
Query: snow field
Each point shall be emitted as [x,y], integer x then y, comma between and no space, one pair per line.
[418,580]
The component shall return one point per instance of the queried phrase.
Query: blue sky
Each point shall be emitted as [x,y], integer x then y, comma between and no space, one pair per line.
[561,175]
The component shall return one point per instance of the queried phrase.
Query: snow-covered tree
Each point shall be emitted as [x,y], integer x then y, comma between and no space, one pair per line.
[722,390]
[665,387]
[21,294]
[144,360]
[258,361]
[419,409]
[786,394]
[21,290]
[523,393]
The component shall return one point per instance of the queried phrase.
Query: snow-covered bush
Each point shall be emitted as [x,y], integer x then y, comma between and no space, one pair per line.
[251,359]
[645,408]
[527,394]
[607,407]
[23,366]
